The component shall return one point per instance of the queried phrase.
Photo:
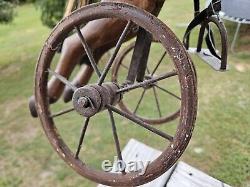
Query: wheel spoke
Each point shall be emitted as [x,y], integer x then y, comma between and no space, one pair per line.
[140,100]
[88,51]
[63,79]
[117,48]
[157,102]
[159,63]
[115,135]
[140,123]
[84,129]
[148,71]
[147,82]
[168,92]
[62,112]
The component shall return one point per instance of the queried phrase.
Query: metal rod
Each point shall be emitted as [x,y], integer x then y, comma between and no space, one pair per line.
[235,37]
[115,135]
[126,67]
[148,71]
[159,63]
[63,80]
[147,82]
[117,48]
[88,52]
[140,123]
[168,92]
[84,129]
[157,102]
[62,112]
[141,98]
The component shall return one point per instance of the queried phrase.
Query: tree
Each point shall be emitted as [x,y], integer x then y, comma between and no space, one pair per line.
[52,11]
[6,11]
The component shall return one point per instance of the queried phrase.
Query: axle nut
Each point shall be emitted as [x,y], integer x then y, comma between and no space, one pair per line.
[87,101]
[83,102]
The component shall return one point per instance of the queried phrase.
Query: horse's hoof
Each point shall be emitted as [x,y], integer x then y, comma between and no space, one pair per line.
[68,93]
[32,107]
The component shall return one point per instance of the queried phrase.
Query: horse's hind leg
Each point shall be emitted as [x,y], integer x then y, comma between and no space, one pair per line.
[83,76]
[68,60]
[72,52]
[96,33]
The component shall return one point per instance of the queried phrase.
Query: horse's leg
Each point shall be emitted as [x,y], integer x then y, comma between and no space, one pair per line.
[82,77]
[65,66]
[73,51]
[97,34]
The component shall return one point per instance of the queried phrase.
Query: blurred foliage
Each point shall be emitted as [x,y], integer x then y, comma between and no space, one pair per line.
[52,11]
[6,11]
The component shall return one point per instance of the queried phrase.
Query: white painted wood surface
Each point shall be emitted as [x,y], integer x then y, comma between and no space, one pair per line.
[187,176]
[137,151]
[207,57]
[181,175]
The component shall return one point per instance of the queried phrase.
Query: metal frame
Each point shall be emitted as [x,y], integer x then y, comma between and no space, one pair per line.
[210,15]
[239,22]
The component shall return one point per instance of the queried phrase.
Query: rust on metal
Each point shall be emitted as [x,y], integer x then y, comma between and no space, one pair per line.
[92,96]
[91,99]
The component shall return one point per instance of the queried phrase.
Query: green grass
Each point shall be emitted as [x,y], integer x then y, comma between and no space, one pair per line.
[220,144]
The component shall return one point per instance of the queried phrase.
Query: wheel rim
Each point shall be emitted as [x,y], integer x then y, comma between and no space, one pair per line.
[185,74]
[156,120]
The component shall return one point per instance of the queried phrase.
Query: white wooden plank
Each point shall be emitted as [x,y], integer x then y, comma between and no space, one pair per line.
[183,174]
[207,57]
[137,151]
[187,176]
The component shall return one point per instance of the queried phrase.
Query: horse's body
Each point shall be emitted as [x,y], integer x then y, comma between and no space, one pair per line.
[101,35]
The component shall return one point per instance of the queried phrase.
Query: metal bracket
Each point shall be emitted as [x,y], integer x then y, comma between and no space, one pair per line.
[140,56]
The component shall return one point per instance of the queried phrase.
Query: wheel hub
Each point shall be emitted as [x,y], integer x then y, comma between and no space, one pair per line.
[148,77]
[91,99]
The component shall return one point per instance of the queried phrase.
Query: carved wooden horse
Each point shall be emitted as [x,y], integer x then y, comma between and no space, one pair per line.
[100,38]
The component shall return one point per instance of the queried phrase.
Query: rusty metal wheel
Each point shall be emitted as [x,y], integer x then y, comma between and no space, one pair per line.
[92,99]
[172,108]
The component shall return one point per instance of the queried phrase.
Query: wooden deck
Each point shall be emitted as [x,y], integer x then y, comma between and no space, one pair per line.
[180,175]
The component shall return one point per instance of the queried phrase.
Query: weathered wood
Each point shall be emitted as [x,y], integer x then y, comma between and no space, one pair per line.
[69,7]
[181,174]
[137,151]
[187,176]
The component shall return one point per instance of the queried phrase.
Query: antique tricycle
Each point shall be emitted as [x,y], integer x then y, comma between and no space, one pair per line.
[135,71]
